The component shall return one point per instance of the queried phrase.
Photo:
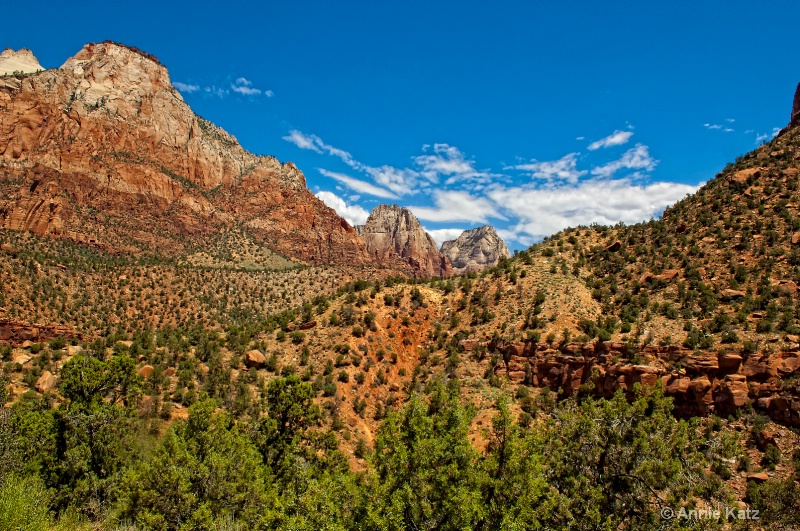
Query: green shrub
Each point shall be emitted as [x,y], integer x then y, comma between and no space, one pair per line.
[23,504]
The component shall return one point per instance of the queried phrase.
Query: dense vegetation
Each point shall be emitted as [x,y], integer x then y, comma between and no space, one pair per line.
[585,464]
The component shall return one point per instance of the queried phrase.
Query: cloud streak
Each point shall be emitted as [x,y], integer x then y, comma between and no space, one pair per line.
[563,169]
[636,158]
[617,138]
[359,185]
[186,88]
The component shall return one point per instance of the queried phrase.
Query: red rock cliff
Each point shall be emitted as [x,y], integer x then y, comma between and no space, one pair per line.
[105,150]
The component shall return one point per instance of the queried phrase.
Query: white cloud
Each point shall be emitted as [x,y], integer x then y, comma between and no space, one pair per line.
[450,162]
[564,169]
[617,138]
[315,143]
[580,138]
[354,214]
[445,161]
[636,158]
[541,212]
[730,120]
[245,87]
[712,126]
[359,185]
[767,136]
[442,235]
[303,141]
[400,181]
[185,87]
[457,205]
[728,130]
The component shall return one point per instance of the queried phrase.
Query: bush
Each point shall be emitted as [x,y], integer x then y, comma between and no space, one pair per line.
[772,457]
[23,504]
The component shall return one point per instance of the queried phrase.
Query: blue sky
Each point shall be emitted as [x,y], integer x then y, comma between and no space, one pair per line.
[530,116]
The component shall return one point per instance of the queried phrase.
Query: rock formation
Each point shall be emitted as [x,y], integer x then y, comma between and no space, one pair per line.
[475,250]
[105,151]
[19,62]
[796,107]
[706,382]
[394,237]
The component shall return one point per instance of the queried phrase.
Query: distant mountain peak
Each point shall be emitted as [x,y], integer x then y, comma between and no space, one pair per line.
[393,234]
[22,61]
[475,250]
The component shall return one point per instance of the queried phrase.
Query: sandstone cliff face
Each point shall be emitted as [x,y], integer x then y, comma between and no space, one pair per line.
[475,250]
[796,107]
[395,238]
[22,61]
[105,151]
[707,382]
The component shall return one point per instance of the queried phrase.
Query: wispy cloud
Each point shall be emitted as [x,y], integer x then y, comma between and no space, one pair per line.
[216,91]
[448,161]
[315,143]
[359,185]
[564,169]
[458,205]
[245,87]
[720,127]
[617,138]
[354,214]
[241,86]
[185,87]
[636,158]
[443,161]
[761,137]
[401,181]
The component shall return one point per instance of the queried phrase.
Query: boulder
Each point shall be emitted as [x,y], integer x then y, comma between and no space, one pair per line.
[766,437]
[254,358]
[758,477]
[46,382]
[20,356]
[730,294]
[146,371]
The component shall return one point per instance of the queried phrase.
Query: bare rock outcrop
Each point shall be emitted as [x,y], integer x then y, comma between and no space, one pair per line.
[104,151]
[796,107]
[699,382]
[394,238]
[475,250]
[20,62]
